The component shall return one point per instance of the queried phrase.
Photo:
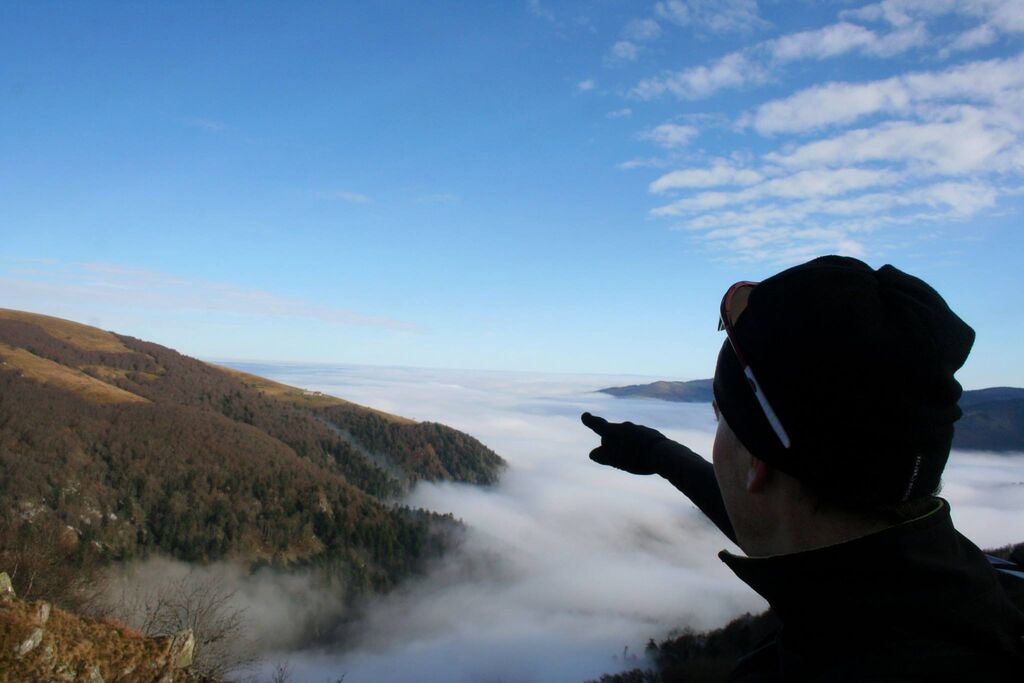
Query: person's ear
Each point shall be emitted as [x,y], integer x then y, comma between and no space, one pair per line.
[757,475]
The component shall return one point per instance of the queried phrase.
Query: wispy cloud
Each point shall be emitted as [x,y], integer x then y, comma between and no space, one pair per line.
[720,173]
[586,85]
[760,62]
[634,35]
[623,113]
[648,162]
[841,103]
[86,286]
[965,144]
[625,50]
[670,135]
[346,196]
[539,9]
[837,163]
[209,125]
[979,36]
[842,38]
[716,16]
[1008,15]
[642,30]
[731,71]
[801,185]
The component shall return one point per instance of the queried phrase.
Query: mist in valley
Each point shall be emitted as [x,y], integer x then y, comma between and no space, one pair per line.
[566,568]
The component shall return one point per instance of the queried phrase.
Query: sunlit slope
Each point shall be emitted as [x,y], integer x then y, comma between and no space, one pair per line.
[74,380]
[304,397]
[140,449]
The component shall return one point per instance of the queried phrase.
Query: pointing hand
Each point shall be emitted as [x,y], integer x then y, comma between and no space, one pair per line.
[625,445]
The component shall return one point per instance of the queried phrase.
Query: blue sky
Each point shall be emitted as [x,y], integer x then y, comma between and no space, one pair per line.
[518,185]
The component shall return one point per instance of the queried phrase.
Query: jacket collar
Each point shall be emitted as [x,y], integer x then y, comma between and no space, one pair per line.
[879,576]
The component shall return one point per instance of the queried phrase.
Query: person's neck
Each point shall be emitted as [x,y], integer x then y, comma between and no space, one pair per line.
[794,528]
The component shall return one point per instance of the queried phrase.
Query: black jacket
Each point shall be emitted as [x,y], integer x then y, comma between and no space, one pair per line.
[914,602]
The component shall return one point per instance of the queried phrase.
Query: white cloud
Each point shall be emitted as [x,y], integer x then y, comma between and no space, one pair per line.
[635,33]
[931,145]
[623,113]
[900,12]
[753,65]
[952,200]
[955,147]
[649,162]
[1008,15]
[829,41]
[731,71]
[537,9]
[586,85]
[625,50]
[717,16]
[840,103]
[965,199]
[799,185]
[720,173]
[670,135]
[642,30]
[346,196]
[979,36]
[896,42]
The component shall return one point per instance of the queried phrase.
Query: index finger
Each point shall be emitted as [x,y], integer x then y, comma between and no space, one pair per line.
[598,424]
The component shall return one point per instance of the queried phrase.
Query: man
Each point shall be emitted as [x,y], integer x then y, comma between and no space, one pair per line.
[836,399]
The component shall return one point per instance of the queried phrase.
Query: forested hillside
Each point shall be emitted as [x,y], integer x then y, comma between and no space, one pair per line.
[136,449]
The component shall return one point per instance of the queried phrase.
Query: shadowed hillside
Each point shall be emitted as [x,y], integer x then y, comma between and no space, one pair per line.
[139,449]
[993,420]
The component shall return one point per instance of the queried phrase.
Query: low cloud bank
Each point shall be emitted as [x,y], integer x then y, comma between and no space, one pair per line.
[565,563]
[275,611]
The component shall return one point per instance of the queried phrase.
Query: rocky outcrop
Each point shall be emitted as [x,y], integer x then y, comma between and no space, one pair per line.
[41,643]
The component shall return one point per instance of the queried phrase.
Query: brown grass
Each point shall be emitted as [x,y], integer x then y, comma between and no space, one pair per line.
[82,336]
[302,397]
[77,645]
[48,372]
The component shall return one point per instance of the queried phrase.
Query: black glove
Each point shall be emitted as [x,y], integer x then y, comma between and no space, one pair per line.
[626,446]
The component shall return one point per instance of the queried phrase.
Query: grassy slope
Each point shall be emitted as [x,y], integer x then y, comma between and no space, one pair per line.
[141,449]
[302,397]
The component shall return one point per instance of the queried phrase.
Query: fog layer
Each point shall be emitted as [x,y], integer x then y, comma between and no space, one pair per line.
[565,563]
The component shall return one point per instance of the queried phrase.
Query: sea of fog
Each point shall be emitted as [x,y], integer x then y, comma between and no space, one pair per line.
[568,568]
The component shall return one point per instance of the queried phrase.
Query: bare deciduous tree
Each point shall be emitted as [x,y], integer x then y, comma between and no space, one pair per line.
[203,604]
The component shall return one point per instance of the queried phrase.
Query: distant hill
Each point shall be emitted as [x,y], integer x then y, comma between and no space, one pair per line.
[694,391]
[993,418]
[138,449]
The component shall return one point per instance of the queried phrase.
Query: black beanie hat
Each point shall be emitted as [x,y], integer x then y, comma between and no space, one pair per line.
[858,365]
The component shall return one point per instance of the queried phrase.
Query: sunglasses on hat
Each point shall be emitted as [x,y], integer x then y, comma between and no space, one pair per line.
[733,304]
